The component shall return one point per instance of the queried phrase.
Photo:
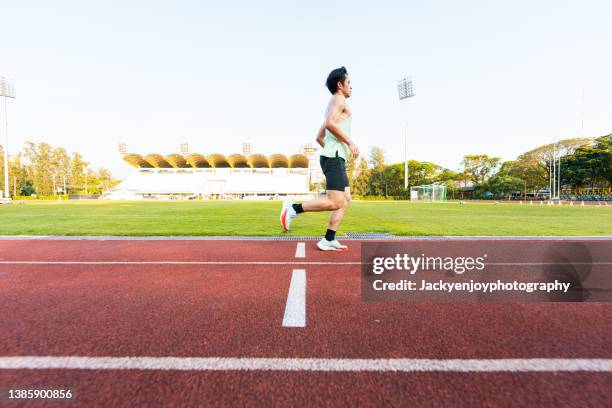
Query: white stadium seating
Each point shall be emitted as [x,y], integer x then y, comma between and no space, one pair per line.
[216,176]
[213,183]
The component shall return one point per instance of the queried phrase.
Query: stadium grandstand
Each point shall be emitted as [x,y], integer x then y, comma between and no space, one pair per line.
[587,194]
[215,176]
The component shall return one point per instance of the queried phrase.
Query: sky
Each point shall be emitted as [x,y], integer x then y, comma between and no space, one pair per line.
[490,77]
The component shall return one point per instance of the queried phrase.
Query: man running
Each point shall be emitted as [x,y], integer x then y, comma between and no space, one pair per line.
[334,138]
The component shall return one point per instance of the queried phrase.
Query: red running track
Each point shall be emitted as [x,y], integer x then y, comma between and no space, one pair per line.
[90,307]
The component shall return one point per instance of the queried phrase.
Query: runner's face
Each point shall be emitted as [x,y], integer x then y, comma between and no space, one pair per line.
[345,87]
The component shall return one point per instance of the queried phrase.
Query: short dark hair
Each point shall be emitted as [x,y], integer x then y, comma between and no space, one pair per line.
[337,75]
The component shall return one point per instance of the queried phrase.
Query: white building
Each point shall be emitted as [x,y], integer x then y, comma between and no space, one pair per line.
[215,176]
[312,153]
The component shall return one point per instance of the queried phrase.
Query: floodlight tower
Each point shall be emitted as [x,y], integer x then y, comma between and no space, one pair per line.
[559,177]
[554,174]
[7,90]
[405,91]
[550,160]
[554,170]
[558,168]
[551,171]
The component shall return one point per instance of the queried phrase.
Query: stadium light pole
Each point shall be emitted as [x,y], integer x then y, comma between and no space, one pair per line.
[7,90]
[559,171]
[550,177]
[554,164]
[559,180]
[405,91]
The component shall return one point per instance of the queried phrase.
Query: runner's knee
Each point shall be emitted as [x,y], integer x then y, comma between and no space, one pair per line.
[347,201]
[336,204]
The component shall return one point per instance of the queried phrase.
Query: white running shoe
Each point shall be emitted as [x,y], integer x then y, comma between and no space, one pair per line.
[325,245]
[287,214]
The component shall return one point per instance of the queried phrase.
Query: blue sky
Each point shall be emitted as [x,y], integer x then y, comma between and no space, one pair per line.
[490,77]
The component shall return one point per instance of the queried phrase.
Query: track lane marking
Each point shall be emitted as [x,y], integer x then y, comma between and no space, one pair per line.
[312,238]
[268,263]
[295,309]
[306,364]
[300,250]
[176,263]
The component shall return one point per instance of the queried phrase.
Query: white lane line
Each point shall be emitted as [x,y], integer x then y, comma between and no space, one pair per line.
[312,238]
[175,263]
[295,309]
[266,263]
[300,250]
[306,364]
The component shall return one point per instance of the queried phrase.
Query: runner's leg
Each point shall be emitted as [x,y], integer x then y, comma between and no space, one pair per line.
[336,216]
[334,200]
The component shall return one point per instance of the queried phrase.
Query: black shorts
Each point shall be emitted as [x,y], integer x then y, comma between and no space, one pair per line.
[334,169]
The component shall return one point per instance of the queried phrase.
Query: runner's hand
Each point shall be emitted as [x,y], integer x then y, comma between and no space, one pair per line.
[354,149]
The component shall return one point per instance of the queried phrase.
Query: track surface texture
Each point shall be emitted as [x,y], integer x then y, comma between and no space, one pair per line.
[127,323]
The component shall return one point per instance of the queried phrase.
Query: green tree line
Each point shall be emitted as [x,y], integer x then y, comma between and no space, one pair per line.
[44,170]
[584,163]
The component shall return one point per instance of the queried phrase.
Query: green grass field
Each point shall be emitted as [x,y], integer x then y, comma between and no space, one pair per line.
[261,218]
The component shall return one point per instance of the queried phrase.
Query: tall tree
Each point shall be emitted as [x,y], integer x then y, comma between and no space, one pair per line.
[350,168]
[378,183]
[393,176]
[377,158]
[362,178]
[77,173]
[60,163]
[604,142]
[533,166]
[105,179]
[480,166]
[501,185]
[18,177]
[422,172]
[589,166]
[450,179]
[39,157]
[527,169]
[40,166]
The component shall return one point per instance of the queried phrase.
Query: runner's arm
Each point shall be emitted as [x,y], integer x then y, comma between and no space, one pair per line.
[321,136]
[331,121]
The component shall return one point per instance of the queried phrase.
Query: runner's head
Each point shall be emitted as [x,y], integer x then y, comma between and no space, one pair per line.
[338,81]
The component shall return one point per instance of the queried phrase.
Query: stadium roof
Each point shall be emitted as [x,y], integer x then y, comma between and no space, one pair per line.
[215,160]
